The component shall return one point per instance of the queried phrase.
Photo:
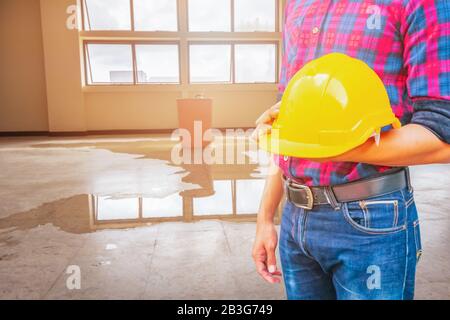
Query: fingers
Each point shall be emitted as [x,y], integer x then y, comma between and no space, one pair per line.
[269,116]
[264,123]
[274,112]
[265,118]
[269,274]
[260,131]
[266,275]
[272,261]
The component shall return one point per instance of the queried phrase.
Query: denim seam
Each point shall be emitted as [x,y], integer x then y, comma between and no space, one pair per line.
[359,228]
[397,215]
[305,249]
[346,289]
[406,258]
[302,241]
[293,225]
[419,249]
[405,202]
[366,216]
[299,231]
[409,202]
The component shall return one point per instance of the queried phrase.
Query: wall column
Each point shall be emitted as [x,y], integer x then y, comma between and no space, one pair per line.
[66,111]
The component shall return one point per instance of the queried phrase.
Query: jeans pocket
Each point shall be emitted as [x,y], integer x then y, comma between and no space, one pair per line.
[418,240]
[377,216]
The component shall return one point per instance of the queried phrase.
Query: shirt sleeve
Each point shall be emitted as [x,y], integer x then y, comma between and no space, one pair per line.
[426,31]
[435,116]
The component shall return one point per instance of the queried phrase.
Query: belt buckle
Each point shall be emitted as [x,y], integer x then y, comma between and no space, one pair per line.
[309,196]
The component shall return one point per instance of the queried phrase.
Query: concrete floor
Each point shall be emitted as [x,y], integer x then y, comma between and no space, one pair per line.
[141,227]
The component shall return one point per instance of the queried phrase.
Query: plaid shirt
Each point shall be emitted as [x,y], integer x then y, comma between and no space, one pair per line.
[406,42]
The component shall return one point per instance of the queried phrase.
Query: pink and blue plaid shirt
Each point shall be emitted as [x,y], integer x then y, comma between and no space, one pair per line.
[407,42]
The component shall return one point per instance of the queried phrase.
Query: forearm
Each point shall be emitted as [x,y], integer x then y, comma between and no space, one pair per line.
[272,196]
[410,145]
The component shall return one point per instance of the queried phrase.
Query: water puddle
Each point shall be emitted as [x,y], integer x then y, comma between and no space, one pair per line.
[234,200]
[132,192]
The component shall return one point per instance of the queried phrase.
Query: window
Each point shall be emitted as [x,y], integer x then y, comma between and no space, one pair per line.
[147,15]
[114,63]
[148,42]
[254,15]
[255,63]
[248,15]
[218,63]
[155,15]
[157,63]
[209,15]
[110,63]
[213,63]
[107,15]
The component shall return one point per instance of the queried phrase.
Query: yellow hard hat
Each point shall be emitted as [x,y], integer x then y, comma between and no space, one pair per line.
[332,105]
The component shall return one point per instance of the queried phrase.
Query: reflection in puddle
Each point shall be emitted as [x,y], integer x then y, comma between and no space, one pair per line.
[169,207]
[116,209]
[218,191]
[221,203]
[230,200]
[234,200]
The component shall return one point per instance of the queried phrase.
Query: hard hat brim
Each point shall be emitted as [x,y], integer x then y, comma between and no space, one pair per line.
[315,151]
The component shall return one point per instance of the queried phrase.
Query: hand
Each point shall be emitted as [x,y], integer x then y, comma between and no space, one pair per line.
[264,252]
[265,121]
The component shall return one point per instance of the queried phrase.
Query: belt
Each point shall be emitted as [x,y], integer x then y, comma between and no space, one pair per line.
[307,197]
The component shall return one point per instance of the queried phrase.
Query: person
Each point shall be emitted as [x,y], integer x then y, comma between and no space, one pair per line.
[360,239]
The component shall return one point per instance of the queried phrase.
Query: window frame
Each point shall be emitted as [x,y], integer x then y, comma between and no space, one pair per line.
[85,18]
[206,43]
[88,67]
[277,17]
[177,8]
[183,38]
[233,20]
[233,60]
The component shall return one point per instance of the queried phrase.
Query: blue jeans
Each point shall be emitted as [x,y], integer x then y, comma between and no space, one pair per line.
[366,250]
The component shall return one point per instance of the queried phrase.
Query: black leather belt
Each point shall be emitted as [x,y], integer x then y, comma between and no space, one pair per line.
[307,197]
